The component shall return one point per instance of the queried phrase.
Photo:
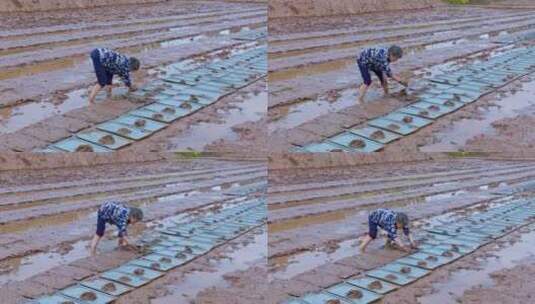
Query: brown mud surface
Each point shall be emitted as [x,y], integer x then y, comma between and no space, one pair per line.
[317,215]
[52,54]
[48,218]
[314,80]
[286,8]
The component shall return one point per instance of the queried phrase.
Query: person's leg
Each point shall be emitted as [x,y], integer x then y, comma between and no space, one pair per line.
[94,93]
[109,84]
[384,81]
[372,234]
[101,227]
[101,74]
[366,82]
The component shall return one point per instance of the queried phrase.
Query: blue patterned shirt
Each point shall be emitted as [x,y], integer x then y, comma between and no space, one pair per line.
[116,64]
[376,59]
[115,213]
[386,219]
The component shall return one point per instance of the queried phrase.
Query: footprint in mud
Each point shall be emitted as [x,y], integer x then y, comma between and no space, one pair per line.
[447,254]
[140,123]
[407,119]
[139,271]
[84,148]
[434,108]
[165,260]
[378,135]
[422,263]
[157,116]
[423,113]
[169,110]
[354,294]
[185,106]
[375,285]
[88,296]
[432,258]
[109,287]
[107,140]
[124,131]
[393,127]
[449,103]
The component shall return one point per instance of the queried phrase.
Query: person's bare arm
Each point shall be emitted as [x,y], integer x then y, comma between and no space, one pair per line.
[401,246]
[399,80]
[414,245]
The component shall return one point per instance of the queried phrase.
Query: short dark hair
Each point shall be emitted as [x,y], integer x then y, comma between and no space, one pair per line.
[395,51]
[402,219]
[136,213]
[134,63]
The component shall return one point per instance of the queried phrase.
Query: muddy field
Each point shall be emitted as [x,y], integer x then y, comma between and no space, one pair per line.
[48,218]
[313,77]
[316,216]
[46,72]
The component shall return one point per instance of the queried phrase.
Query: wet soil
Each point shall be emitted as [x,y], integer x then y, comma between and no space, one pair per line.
[313,77]
[55,106]
[32,250]
[307,253]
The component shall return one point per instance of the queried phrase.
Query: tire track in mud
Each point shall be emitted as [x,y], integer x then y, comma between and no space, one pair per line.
[334,41]
[281,39]
[64,207]
[290,189]
[378,185]
[61,29]
[98,187]
[58,41]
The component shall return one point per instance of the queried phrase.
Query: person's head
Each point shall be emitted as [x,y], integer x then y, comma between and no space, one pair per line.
[136,215]
[134,63]
[395,53]
[402,220]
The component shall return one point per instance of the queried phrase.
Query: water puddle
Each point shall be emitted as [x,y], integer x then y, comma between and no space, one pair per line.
[455,137]
[196,281]
[299,113]
[19,269]
[287,267]
[199,135]
[17,117]
[463,280]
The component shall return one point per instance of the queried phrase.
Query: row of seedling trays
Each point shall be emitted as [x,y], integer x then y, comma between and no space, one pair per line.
[439,245]
[184,93]
[444,94]
[167,247]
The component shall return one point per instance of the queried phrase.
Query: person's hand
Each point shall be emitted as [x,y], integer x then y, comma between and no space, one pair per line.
[414,245]
[123,242]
